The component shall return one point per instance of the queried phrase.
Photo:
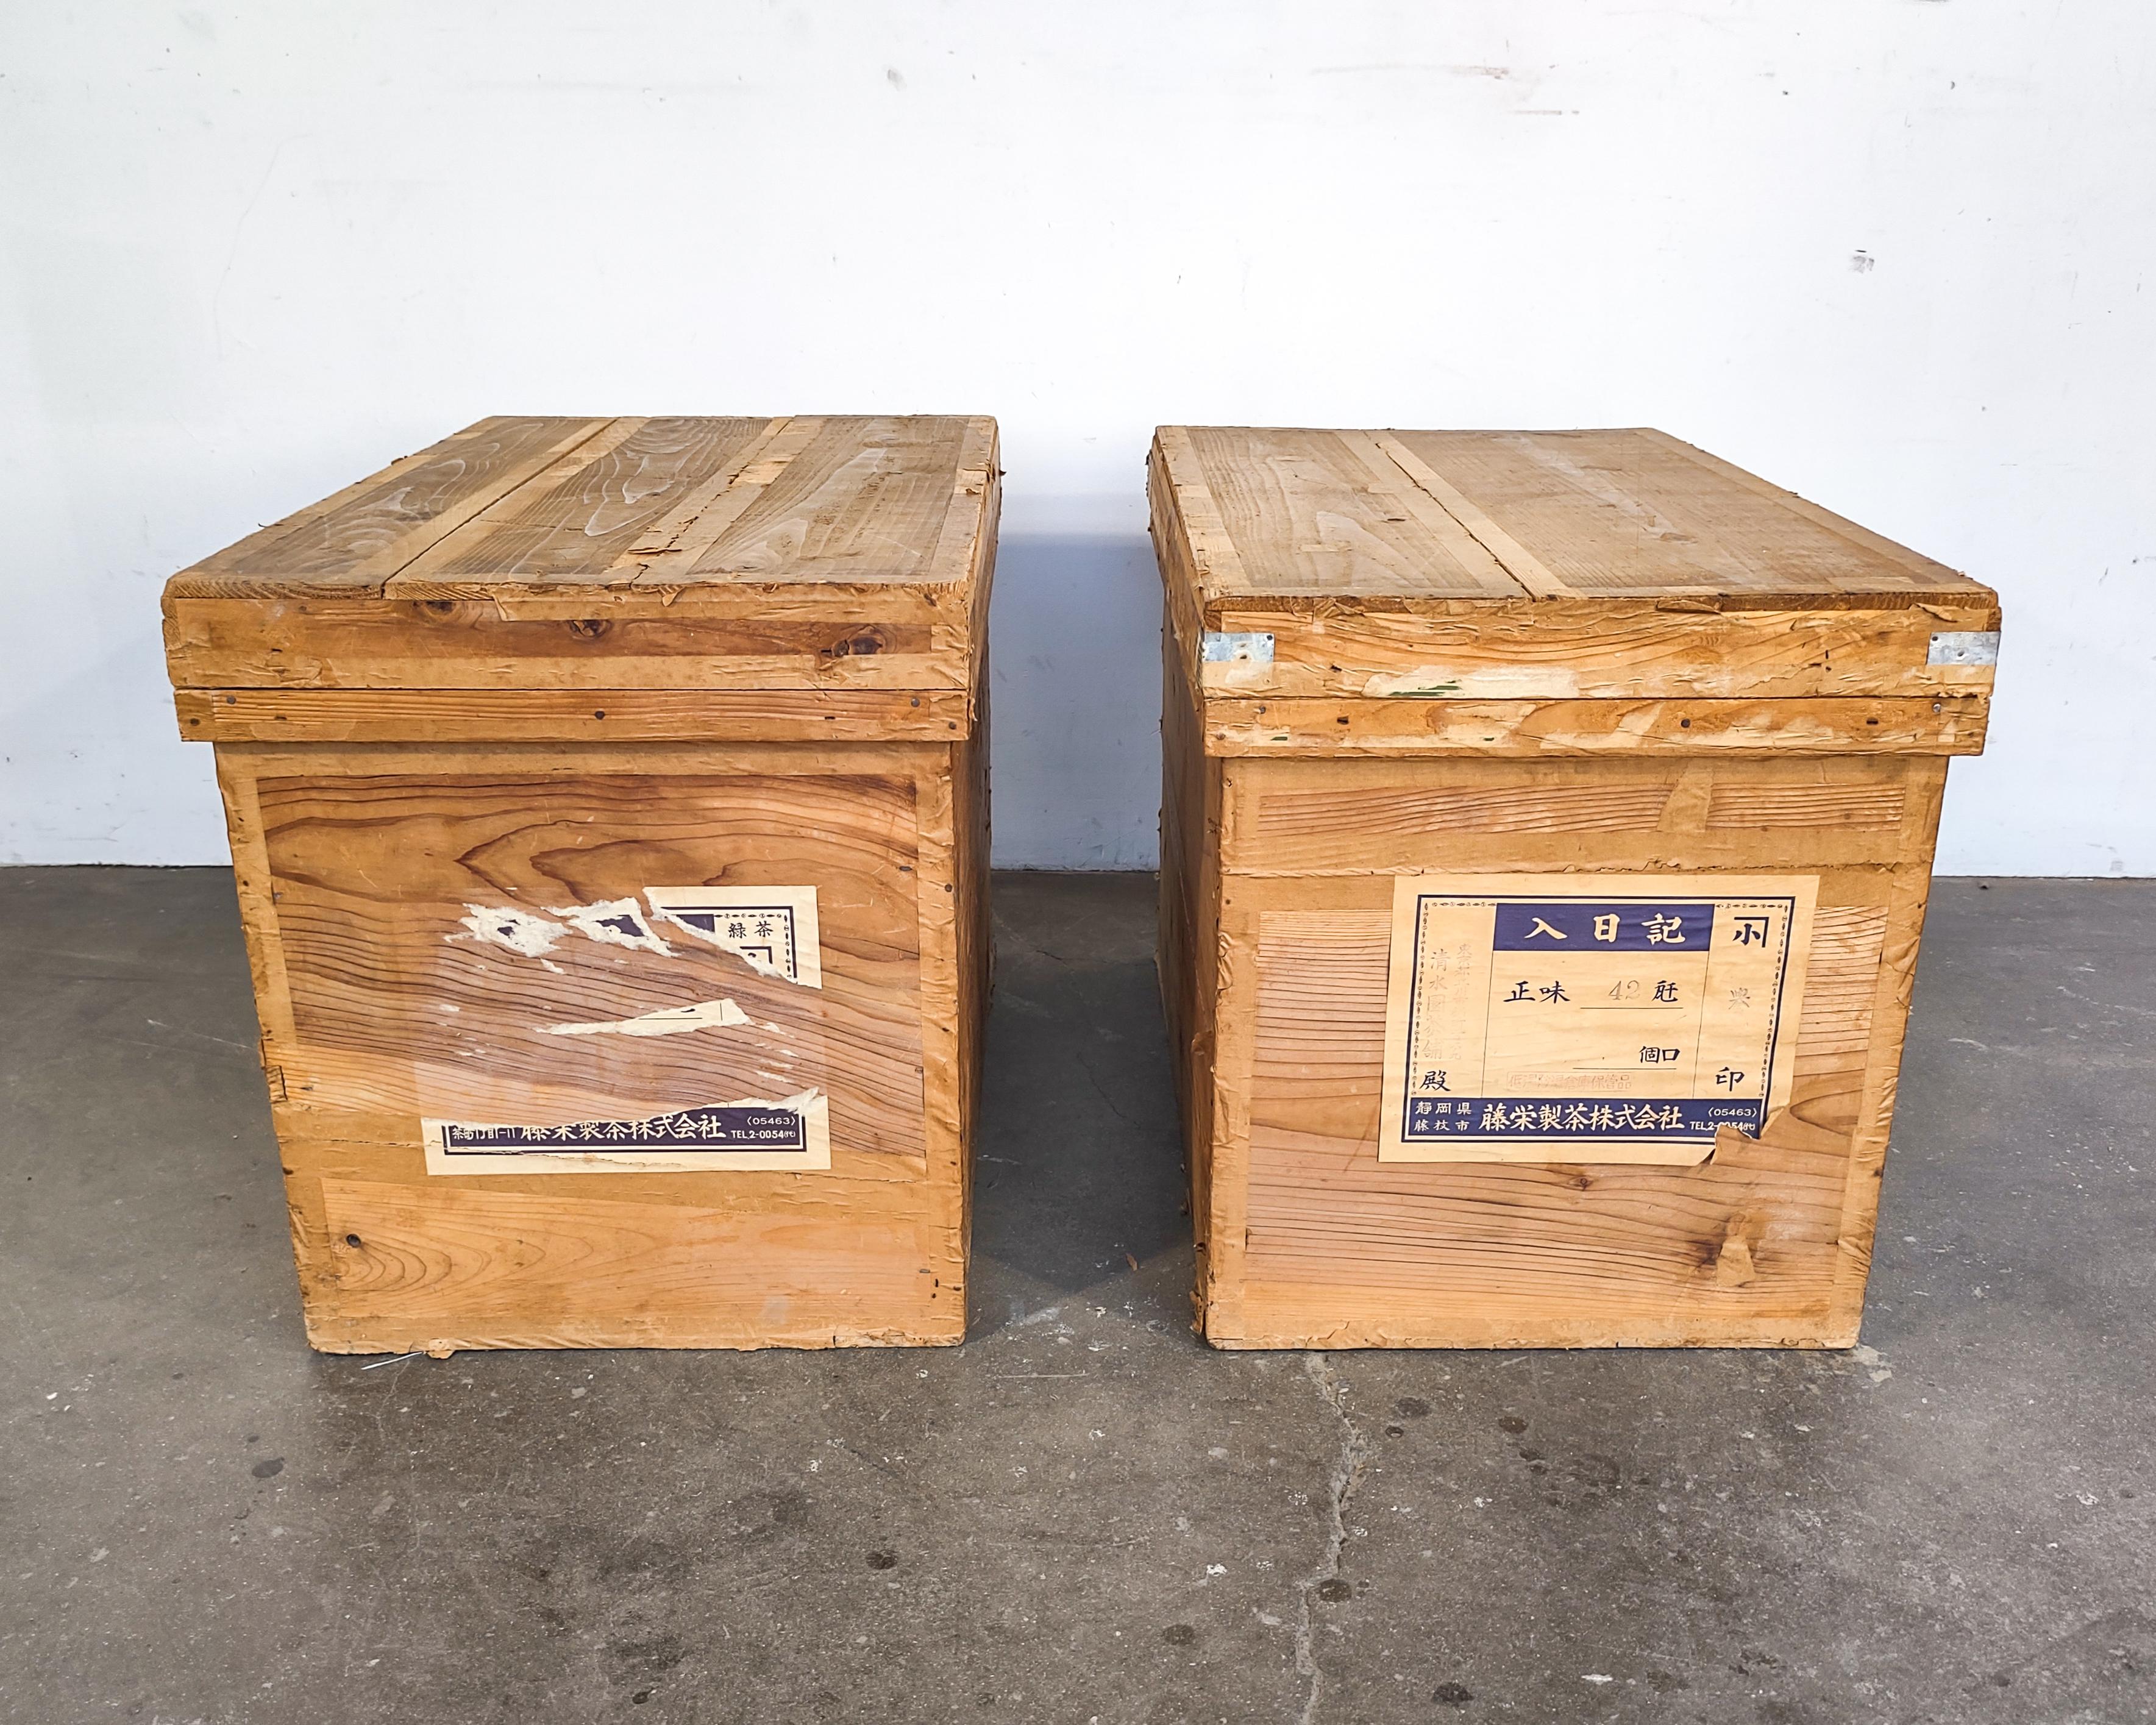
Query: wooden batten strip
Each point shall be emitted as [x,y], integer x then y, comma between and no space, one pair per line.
[574,715]
[656,539]
[761,464]
[954,556]
[1518,561]
[1215,562]
[375,571]
[1465,549]
[490,520]
[1315,727]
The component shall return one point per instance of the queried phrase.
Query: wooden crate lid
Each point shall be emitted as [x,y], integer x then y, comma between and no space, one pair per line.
[813,552]
[1448,568]
[1631,514]
[1611,565]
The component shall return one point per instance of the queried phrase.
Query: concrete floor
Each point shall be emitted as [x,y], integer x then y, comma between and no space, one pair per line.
[1082,1515]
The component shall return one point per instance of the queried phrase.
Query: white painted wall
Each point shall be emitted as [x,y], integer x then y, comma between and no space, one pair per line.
[1894,252]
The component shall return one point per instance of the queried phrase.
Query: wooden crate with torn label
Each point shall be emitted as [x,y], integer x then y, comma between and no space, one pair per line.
[1547,824]
[608,802]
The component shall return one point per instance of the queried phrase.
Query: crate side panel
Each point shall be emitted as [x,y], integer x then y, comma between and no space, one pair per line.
[1189,926]
[360,871]
[1759,1245]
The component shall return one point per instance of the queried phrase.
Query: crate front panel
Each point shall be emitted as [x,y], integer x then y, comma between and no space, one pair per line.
[1766,1242]
[398,1004]
[364,874]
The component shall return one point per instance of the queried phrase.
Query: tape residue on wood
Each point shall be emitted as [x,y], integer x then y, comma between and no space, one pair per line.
[667,1021]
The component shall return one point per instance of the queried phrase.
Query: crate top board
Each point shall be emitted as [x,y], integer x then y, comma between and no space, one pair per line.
[819,577]
[1565,592]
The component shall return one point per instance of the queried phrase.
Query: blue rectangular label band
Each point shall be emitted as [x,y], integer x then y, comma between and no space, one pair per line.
[1589,924]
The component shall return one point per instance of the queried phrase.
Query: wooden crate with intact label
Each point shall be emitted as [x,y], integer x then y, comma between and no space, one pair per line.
[608,802]
[1547,822]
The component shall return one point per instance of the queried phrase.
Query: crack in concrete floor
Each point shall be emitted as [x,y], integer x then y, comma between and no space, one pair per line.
[1355,1451]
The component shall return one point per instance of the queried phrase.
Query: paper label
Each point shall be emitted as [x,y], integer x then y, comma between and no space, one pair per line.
[773,928]
[1585,1019]
[792,1135]
[770,929]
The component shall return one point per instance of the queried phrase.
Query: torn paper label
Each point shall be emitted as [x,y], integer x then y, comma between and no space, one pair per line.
[506,926]
[772,929]
[667,1021]
[793,1135]
[1589,1018]
[617,922]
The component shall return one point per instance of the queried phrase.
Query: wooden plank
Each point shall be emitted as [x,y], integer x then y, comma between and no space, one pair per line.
[976,947]
[323,547]
[1925,573]
[1304,818]
[1228,1099]
[1318,726]
[861,501]
[881,638]
[1216,563]
[396,1004]
[357,546]
[1174,547]
[572,715]
[1188,934]
[570,524]
[220,573]
[1516,560]
[1634,511]
[976,500]
[1900,929]
[396,1266]
[665,554]
[1627,649]
[1301,511]
[970,514]
[1397,484]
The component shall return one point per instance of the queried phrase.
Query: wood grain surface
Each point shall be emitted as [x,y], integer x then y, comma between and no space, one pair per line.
[1290,725]
[1574,513]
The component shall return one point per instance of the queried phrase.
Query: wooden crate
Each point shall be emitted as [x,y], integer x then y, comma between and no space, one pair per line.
[608,801]
[1427,689]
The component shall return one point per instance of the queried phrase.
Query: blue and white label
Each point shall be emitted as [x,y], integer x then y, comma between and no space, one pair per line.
[1604,1017]
[793,1134]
